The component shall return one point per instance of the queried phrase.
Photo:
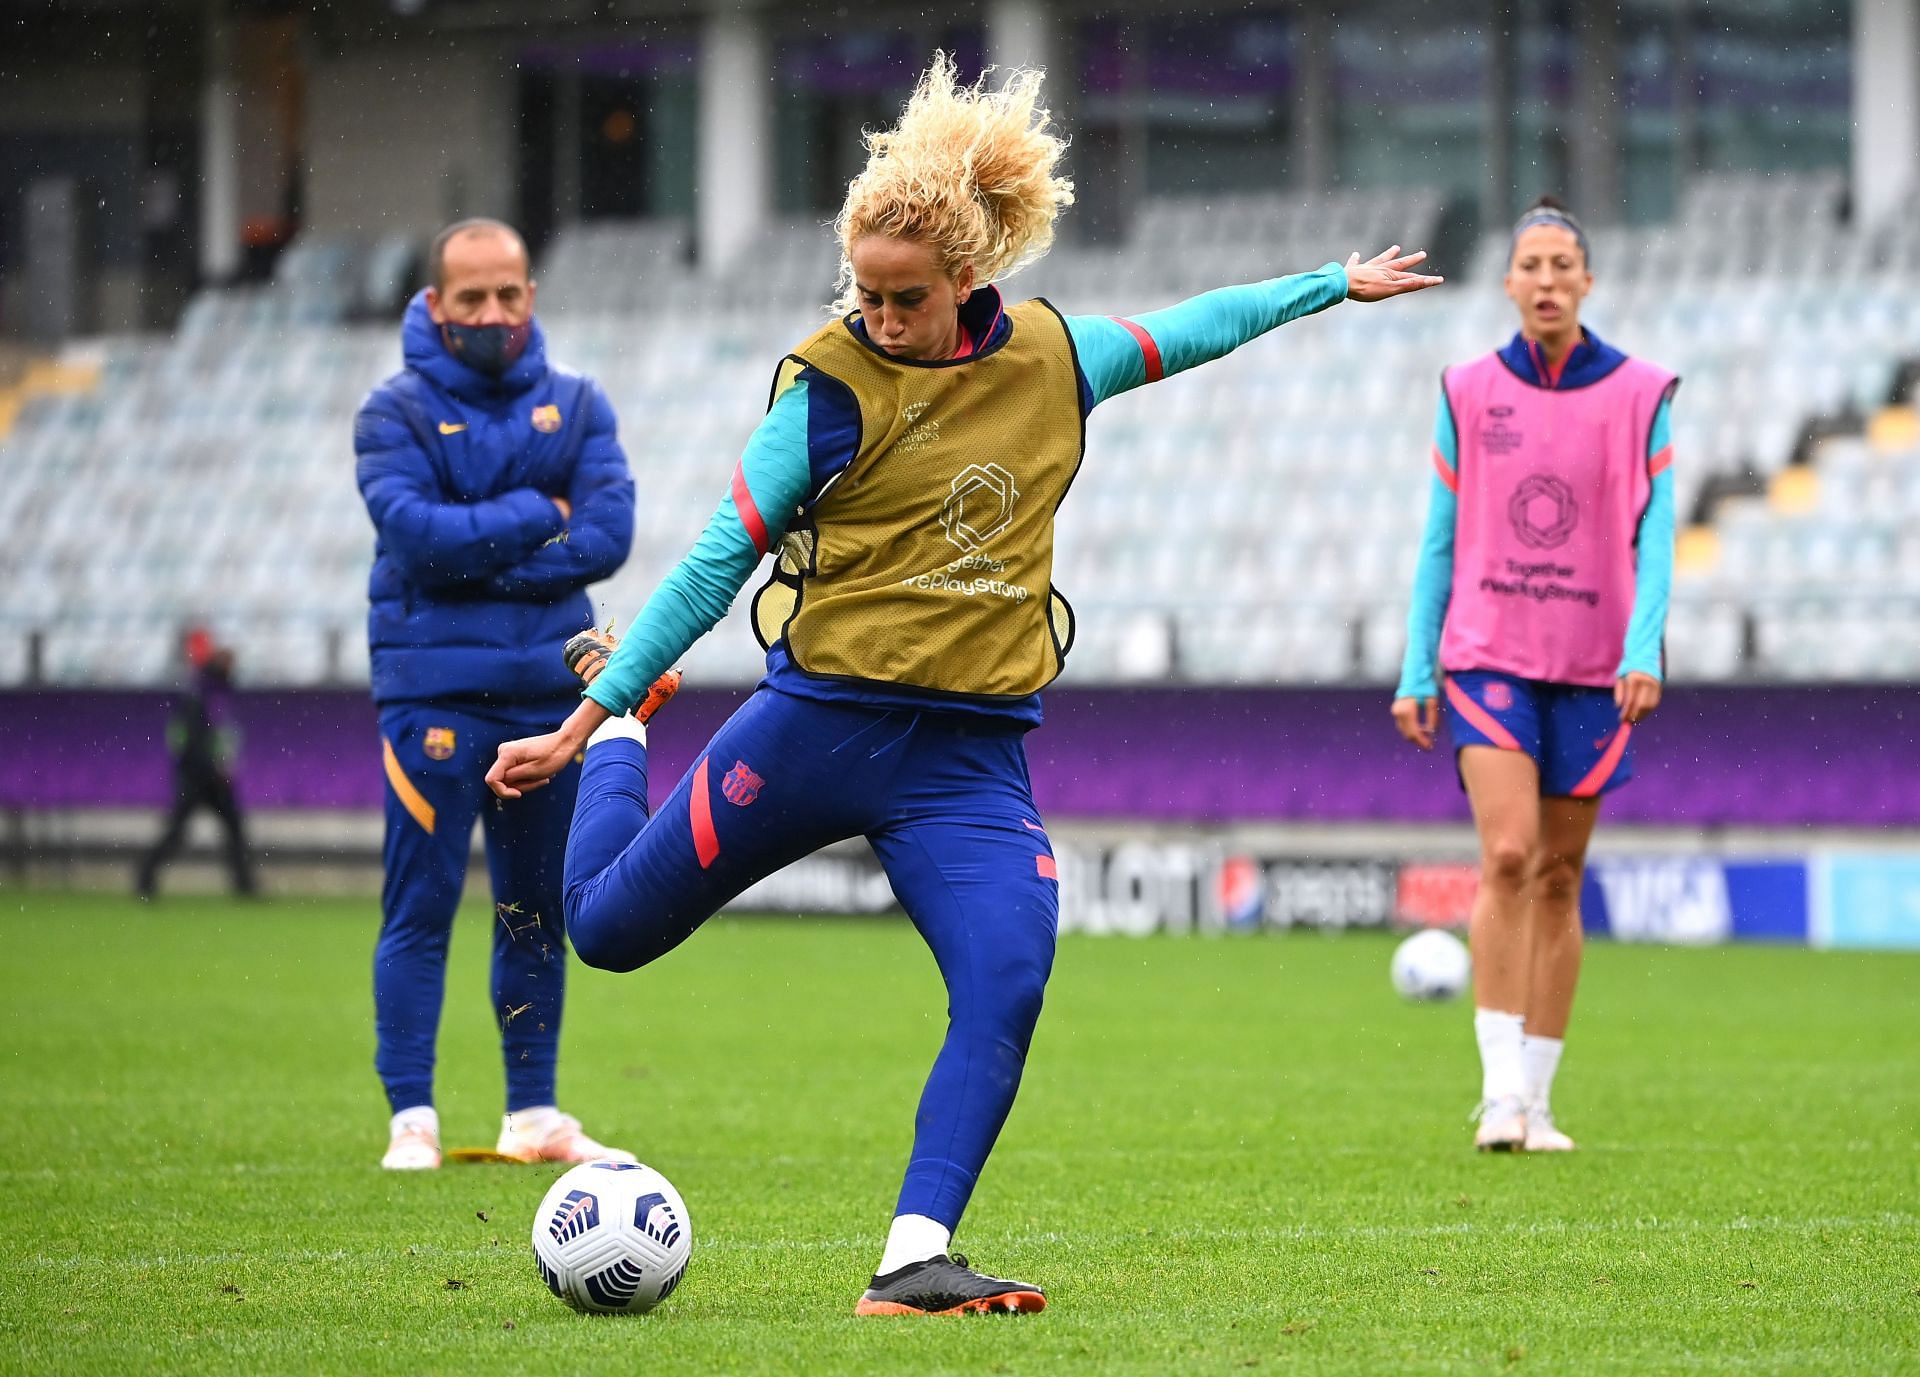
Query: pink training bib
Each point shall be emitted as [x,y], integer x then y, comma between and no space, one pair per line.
[1552,485]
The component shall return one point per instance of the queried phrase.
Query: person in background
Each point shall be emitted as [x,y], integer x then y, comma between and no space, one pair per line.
[203,742]
[1540,606]
[498,492]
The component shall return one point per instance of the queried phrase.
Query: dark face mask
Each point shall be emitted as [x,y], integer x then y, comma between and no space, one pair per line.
[488,349]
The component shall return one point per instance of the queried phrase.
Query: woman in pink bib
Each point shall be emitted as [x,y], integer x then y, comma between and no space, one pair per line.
[1540,603]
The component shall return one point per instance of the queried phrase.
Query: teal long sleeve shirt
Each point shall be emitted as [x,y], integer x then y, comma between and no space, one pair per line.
[804,440]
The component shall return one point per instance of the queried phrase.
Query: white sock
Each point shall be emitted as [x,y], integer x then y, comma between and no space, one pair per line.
[913,1238]
[1502,1069]
[1542,1056]
[536,1121]
[622,728]
[421,1116]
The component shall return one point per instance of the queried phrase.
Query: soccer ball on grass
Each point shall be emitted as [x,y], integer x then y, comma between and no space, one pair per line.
[1431,965]
[612,1237]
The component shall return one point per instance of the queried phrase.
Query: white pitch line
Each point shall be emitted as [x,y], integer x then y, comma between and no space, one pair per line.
[1294,1232]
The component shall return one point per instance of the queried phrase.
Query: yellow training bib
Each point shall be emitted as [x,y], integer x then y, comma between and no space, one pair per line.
[929,560]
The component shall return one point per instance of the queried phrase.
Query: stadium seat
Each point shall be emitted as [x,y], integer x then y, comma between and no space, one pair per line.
[213,464]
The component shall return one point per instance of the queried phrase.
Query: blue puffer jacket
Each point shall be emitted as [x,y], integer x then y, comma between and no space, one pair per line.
[477,580]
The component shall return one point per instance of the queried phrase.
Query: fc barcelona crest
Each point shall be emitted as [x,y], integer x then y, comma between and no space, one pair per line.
[741,786]
[546,419]
[438,743]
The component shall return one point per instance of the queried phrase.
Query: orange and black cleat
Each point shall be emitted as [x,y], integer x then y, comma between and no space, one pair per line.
[587,653]
[948,1286]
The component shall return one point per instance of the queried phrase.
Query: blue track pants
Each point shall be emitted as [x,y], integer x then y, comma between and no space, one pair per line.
[945,802]
[436,763]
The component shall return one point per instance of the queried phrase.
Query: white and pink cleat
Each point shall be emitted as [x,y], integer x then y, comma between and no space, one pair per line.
[547,1135]
[414,1140]
[1542,1135]
[1503,1125]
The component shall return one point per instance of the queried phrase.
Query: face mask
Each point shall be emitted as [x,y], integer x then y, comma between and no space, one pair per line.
[488,349]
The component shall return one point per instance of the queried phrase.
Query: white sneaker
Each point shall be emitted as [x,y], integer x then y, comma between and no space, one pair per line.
[414,1141]
[1542,1136]
[547,1135]
[1503,1125]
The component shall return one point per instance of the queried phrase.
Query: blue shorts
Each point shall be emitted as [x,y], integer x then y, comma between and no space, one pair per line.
[1574,733]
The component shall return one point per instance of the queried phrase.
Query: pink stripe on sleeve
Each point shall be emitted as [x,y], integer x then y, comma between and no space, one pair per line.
[1149,351]
[1445,470]
[744,504]
[1660,462]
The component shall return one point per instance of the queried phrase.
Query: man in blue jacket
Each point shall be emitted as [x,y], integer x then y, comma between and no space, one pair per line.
[498,491]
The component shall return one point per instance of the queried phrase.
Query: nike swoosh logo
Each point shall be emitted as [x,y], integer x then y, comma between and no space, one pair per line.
[452,427]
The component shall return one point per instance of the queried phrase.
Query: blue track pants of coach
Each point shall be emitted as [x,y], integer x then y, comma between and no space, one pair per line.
[436,761]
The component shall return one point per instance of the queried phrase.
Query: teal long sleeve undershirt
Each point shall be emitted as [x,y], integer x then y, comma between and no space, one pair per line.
[1198,330]
[696,592]
[1433,575]
[778,466]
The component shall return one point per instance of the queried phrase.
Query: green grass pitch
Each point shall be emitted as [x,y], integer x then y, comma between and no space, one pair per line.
[1231,1155]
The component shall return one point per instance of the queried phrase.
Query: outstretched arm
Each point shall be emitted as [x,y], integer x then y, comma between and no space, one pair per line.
[1118,354]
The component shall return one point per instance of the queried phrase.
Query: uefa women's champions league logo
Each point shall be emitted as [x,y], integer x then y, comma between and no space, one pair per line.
[1543,512]
[1496,436]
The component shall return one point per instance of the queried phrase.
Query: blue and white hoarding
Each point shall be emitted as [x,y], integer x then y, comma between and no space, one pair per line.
[1695,900]
[1864,899]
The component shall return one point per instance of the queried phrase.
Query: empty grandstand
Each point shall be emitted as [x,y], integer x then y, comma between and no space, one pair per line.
[207,473]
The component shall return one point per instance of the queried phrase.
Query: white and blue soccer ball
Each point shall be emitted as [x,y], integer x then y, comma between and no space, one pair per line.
[612,1237]
[1432,964]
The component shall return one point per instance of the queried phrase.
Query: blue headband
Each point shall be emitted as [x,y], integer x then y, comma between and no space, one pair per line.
[1546,215]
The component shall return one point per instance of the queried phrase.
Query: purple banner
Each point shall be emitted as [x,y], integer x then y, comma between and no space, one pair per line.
[1208,56]
[1841,756]
[883,62]
[626,59]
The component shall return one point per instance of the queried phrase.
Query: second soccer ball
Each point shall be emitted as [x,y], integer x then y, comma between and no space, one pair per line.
[1431,965]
